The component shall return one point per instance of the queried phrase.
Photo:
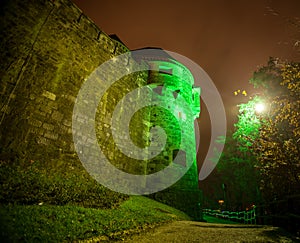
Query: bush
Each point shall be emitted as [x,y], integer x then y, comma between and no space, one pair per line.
[72,223]
[56,183]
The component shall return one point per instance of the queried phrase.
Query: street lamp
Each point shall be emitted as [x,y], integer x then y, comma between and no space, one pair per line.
[224,187]
[221,201]
[259,107]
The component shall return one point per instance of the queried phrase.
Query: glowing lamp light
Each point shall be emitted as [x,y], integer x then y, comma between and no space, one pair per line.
[221,202]
[259,107]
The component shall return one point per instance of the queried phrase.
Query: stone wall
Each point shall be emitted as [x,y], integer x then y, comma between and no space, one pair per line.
[173,83]
[48,50]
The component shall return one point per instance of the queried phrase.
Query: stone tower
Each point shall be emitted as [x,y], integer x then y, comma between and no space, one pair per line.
[173,82]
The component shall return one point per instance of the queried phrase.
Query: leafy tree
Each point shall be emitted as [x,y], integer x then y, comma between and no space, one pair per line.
[248,125]
[278,146]
[273,136]
[268,78]
[236,170]
[262,154]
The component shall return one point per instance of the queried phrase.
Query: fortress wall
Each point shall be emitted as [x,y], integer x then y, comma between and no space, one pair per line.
[49,49]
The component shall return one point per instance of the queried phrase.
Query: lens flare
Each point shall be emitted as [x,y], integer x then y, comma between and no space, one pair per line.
[259,107]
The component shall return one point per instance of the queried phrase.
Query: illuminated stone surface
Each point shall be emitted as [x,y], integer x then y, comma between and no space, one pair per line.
[174,83]
[49,48]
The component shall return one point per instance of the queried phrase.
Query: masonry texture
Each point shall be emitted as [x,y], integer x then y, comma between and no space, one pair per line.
[48,50]
[173,83]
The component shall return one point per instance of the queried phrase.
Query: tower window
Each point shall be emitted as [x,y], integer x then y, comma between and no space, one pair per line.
[175,93]
[158,90]
[165,70]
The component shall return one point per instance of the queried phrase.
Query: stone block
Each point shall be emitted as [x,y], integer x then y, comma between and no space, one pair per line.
[45,109]
[63,129]
[36,130]
[51,135]
[49,95]
[70,98]
[39,113]
[35,123]
[57,116]
[48,126]
[67,122]
[42,140]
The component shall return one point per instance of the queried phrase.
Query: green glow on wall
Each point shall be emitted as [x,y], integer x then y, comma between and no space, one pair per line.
[174,82]
[175,85]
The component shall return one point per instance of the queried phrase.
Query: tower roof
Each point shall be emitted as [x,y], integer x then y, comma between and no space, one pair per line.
[156,54]
[115,37]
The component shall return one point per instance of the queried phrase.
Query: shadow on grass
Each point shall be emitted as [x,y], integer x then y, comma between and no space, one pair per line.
[279,235]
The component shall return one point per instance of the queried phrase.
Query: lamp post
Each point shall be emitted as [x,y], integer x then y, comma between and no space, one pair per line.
[224,187]
[221,203]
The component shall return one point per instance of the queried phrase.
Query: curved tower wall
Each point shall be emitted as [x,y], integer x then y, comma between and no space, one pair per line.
[174,85]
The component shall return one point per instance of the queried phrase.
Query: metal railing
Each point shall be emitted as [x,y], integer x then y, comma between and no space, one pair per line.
[245,217]
[283,213]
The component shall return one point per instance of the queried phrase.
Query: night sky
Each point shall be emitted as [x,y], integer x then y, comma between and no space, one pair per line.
[229,39]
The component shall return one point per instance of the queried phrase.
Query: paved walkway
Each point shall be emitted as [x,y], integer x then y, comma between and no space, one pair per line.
[190,231]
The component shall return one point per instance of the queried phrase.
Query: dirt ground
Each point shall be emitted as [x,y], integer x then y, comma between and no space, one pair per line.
[191,231]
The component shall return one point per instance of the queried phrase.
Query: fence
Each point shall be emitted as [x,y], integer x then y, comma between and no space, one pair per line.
[245,217]
[284,213]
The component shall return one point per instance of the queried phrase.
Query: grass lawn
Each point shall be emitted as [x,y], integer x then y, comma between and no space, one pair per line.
[48,223]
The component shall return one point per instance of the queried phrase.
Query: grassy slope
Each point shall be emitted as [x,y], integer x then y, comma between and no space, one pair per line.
[47,223]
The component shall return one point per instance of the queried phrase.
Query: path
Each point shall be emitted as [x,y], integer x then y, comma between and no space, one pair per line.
[191,231]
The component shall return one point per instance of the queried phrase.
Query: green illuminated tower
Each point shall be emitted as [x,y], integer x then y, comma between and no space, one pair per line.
[173,82]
